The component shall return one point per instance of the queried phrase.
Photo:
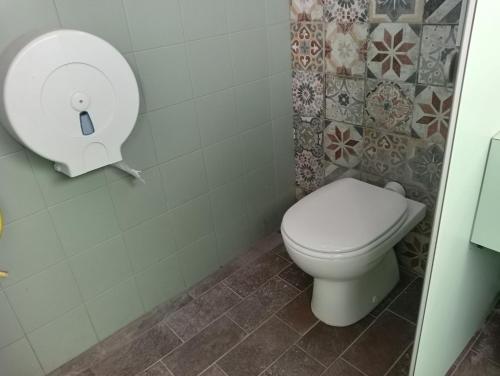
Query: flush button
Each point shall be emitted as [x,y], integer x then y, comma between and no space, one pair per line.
[80,102]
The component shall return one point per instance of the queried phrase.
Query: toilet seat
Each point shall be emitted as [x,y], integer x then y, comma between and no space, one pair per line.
[346,218]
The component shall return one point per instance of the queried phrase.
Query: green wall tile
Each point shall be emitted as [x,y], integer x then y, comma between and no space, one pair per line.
[164,76]
[44,296]
[151,241]
[217,116]
[224,161]
[29,246]
[148,26]
[85,221]
[233,237]
[101,267]
[203,18]
[283,138]
[208,77]
[278,37]
[7,144]
[18,359]
[115,308]
[250,55]
[184,178]
[136,201]
[261,194]
[10,330]
[160,282]
[63,339]
[175,131]
[277,11]
[229,202]
[199,259]
[19,192]
[281,94]
[258,146]
[130,57]
[244,14]
[253,104]
[192,221]
[105,19]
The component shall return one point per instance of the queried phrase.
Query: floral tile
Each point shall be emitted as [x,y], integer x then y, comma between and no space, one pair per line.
[423,195]
[438,41]
[308,171]
[410,11]
[307,46]
[384,154]
[308,135]
[335,172]
[431,117]
[345,51]
[425,164]
[308,93]
[346,13]
[389,105]
[442,11]
[393,51]
[343,144]
[306,10]
[413,251]
[345,99]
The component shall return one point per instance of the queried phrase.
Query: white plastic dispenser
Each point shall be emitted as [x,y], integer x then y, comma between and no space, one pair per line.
[70,97]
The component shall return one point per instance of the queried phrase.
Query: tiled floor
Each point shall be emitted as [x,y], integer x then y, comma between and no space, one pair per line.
[253,318]
[481,356]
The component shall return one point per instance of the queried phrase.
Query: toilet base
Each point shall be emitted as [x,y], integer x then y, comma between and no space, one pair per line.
[344,302]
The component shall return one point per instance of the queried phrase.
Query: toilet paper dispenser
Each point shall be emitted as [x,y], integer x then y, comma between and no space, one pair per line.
[70,97]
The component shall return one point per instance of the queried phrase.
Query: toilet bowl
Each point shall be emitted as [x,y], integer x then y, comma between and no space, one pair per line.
[343,235]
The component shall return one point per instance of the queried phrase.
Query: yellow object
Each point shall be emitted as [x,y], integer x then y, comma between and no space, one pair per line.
[4,274]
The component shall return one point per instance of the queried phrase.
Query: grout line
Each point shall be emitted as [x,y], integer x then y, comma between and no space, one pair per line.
[234,322]
[226,284]
[401,317]
[399,358]
[352,365]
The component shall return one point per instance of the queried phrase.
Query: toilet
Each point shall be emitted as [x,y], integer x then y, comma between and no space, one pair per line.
[343,235]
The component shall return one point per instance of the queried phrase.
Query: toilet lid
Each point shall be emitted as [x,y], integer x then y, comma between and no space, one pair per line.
[344,216]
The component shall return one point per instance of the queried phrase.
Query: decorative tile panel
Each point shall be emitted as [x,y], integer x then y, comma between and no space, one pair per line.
[413,251]
[307,46]
[393,51]
[345,51]
[425,164]
[334,172]
[306,10]
[389,105]
[308,135]
[308,93]
[384,154]
[344,99]
[346,13]
[438,41]
[432,112]
[308,171]
[410,11]
[442,11]
[343,144]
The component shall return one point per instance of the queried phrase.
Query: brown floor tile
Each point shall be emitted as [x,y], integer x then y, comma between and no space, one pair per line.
[476,364]
[405,279]
[269,243]
[157,369]
[381,345]
[205,348]
[325,343]
[282,252]
[203,286]
[296,277]
[408,303]
[213,371]
[488,342]
[82,363]
[196,315]
[138,354]
[259,306]
[295,362]
[298,312]
[258,350]
[402,366]
[342,368]
[248,279]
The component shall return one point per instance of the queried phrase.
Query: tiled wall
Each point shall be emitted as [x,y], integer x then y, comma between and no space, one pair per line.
[371,99]
[88,255]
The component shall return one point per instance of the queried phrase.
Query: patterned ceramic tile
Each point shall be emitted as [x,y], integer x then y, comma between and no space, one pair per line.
[432,112]
[309,171]
[345,51]
[307,46]
[308,135]
[306,10]
[410,11]
[334,172]
[307,92]
[393,51]
[438,41]
[346,13]
[384,154]
[343,144]
[412,251]
[417,193]
[425,164]
[344,99]
[442,11]
[389,105]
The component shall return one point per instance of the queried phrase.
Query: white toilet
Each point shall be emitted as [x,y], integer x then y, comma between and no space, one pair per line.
[343,235]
